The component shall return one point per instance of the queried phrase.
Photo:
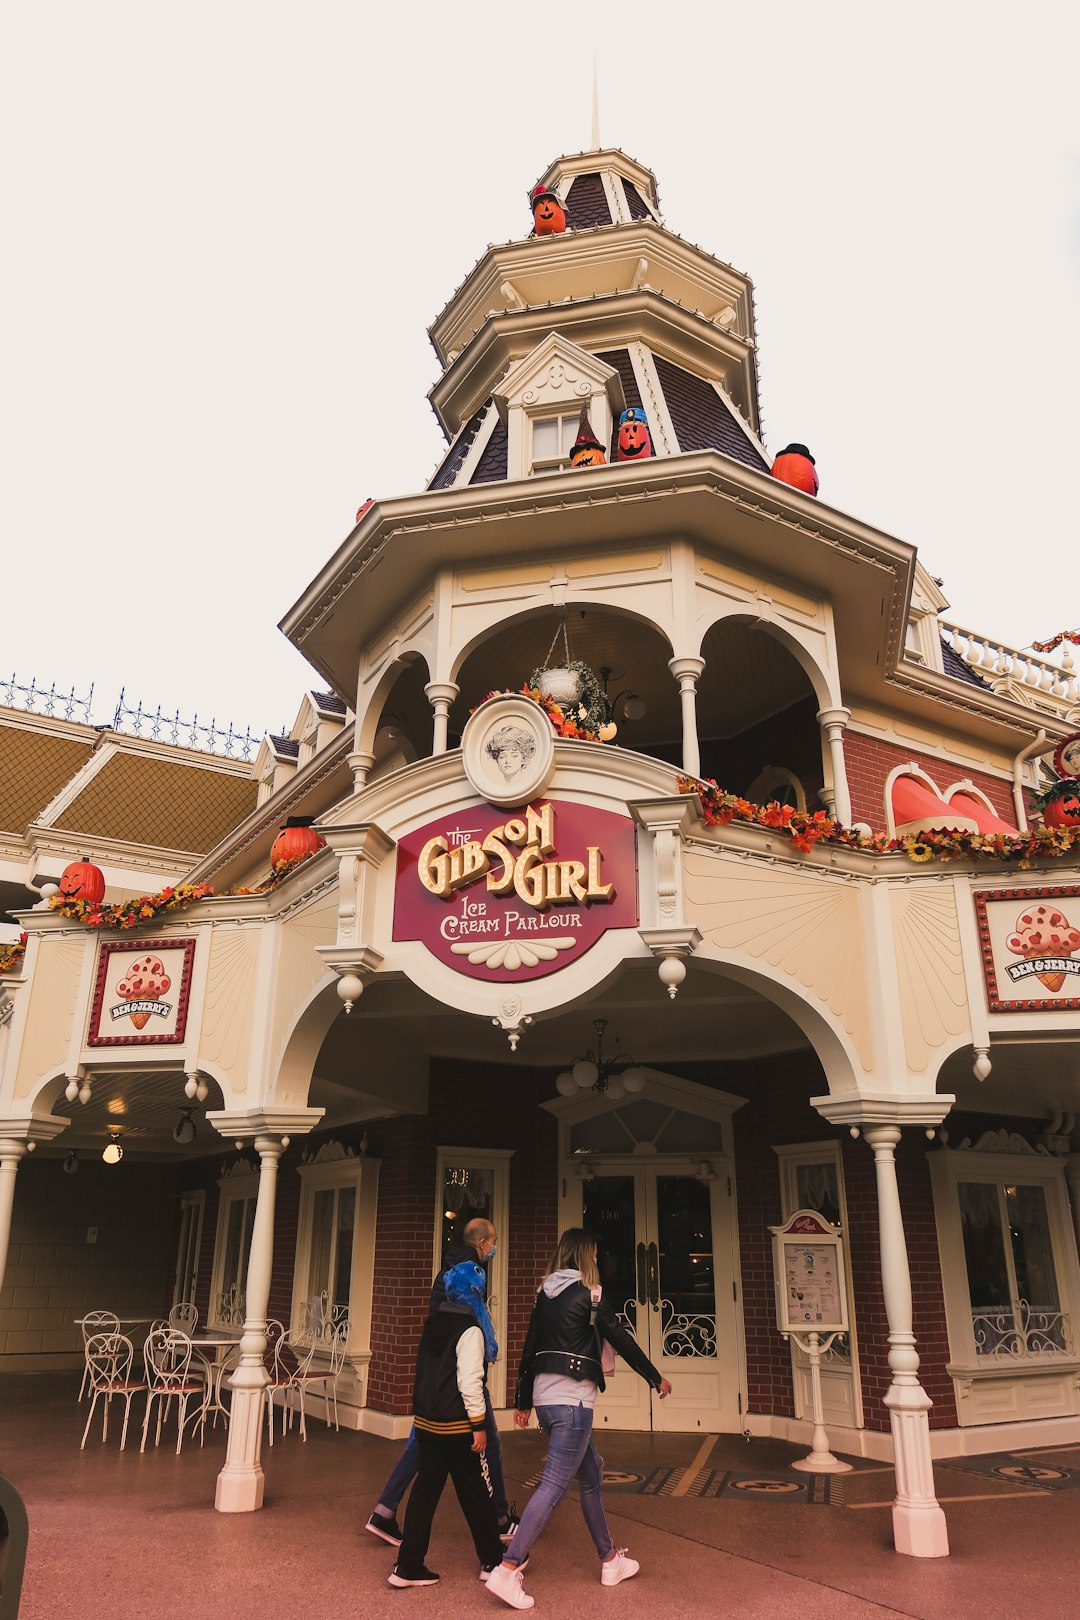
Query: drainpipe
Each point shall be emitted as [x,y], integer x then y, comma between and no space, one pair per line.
[1032,751]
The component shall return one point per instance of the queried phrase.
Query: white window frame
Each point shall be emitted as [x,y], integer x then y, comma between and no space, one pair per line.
[790,1157]
[772,777]
[567,415]
[362,1174]
[498,1161]
[241,1185]
[189,1243]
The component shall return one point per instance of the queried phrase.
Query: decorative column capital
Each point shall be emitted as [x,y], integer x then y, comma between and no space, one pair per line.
[21,1136]
[834,717]
[360,764]
[265,1124]
[441,692]
[868,1110]
[882,1138]
[687,670]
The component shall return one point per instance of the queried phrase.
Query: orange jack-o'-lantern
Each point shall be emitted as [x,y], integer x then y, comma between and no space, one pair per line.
[1064,810]
[82,880]
[586,450]
[296,840]
[795,466]
[634,441]
[549,215]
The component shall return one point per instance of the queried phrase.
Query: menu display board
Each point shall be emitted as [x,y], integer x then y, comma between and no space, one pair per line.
[808,1265]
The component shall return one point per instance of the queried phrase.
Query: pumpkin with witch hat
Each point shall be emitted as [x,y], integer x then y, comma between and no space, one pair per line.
[635,441]
[549,215]
[586,450]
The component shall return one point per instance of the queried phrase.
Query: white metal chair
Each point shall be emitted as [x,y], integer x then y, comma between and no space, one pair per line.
[169,1375]
[95,1322]
[281,1365]
[184,1317]
[108,1362]
[326,1376]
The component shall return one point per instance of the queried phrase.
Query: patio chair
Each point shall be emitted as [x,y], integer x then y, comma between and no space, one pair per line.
[169,1375]
[184,1317]
[326,1376]
[289,1366]
[95,1322]
[108,1359]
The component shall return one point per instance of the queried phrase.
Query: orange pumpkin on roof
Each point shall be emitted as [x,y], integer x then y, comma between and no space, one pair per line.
[795,466]
[586,450]
[635,441]
[549,215]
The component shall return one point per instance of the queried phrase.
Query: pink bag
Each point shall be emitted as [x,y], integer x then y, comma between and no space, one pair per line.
[607,1351]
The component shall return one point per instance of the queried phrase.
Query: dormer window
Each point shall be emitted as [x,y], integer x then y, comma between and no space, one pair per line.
[552,437]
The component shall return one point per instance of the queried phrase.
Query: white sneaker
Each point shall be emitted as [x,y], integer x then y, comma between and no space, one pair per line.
[506,1584]
[619,1568]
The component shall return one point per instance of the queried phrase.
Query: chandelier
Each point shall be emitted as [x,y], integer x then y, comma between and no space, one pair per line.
[612,1077]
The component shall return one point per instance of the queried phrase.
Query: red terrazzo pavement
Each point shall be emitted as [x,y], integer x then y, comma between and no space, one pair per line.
[126,1536]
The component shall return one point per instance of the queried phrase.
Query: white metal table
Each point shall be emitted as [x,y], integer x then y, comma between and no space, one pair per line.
[216,1366]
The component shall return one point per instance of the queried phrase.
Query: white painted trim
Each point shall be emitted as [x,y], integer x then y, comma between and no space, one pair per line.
[385,1424]
[741,420]
[478,446]
[661,427]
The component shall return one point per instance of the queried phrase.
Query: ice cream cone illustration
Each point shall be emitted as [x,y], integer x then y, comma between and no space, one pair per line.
[1041,932]
[145,980]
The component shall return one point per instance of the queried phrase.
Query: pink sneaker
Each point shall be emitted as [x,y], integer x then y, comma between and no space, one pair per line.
[506,1584]
[619,1568]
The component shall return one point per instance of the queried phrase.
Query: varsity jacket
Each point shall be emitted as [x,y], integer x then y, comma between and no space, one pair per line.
[562,1340]
[448,1395]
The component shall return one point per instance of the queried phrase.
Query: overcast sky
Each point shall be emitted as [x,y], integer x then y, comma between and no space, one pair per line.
[227,227]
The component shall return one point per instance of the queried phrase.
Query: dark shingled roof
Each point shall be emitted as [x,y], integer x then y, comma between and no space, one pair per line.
[492,464]
[634,201]
[619,360]
[285,745]
[458,451]
[955,666]
[587,204]
[329,703]
[701,419]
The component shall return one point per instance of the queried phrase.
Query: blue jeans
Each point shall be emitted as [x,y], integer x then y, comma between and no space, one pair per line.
[405,1471]
[571,1454]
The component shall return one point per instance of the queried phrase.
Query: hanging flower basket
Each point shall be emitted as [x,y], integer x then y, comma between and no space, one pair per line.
[562,685]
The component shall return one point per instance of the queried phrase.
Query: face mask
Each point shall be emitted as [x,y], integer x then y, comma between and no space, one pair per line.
[494,1247]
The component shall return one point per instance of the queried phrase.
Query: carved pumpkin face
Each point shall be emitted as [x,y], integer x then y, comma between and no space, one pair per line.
[587,455]
[549,216]
[634,443]
[1064,811]
[82,880]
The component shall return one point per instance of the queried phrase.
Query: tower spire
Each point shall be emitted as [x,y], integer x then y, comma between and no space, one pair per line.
[595,108]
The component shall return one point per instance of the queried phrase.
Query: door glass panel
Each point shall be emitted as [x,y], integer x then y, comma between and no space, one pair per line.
[467,1193]
[1041,1327]
[815,1188]
[609,1213]
[343,1256]
[992,1317]
[687,1284]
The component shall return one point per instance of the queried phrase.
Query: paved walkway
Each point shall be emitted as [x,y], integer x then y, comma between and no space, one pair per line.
[128,1536]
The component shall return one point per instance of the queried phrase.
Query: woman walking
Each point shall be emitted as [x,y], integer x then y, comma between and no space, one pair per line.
[561,1375]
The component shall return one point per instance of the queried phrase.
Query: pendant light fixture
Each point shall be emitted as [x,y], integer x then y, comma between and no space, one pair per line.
[612,1077]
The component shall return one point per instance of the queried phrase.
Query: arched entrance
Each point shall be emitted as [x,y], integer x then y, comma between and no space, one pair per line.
[653,1176]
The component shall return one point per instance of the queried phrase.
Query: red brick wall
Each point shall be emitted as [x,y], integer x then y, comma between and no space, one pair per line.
[869,761]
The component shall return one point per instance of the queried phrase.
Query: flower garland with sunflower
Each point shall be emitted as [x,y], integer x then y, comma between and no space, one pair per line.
[575,722]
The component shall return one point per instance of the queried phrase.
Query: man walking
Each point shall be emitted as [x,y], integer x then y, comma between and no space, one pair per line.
[479,1247]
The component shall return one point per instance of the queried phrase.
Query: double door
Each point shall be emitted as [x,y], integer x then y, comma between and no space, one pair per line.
[665,1251]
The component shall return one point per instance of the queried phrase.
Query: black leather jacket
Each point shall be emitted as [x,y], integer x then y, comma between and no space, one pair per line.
[560,1340]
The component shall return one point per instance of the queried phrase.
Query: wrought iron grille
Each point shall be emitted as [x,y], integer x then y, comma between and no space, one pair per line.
[48,700]
[1023,1334]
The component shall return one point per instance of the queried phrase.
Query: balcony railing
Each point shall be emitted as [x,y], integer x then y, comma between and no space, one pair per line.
[1023,1334]
[1049,686]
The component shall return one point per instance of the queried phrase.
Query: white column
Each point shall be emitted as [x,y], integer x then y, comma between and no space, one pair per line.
[440,694]
[832,723]
[11,1153]
[687,671]
[919,1527]
[240,1483]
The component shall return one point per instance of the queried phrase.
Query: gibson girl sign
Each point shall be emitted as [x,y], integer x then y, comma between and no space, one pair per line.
[141,993]
[512,897]
[1030,942]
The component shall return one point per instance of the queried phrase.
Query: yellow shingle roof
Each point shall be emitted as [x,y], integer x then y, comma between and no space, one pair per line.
[34,765]
[157,802]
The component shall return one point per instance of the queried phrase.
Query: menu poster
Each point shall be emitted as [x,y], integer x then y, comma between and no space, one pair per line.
[813,1293]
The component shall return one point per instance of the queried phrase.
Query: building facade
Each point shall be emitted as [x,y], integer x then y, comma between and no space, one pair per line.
[556,979]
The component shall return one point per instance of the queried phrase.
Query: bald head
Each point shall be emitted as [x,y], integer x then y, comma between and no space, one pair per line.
[480,1235]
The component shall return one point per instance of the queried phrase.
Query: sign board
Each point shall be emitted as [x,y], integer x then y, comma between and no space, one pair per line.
[141,993]
[1030,941]
[505,898]
[808,1267]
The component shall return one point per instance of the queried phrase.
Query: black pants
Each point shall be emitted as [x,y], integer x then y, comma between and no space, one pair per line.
[440,1456]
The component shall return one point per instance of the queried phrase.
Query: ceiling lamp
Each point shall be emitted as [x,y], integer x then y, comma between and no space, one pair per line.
[183,1131]
[612,1077]
[112,1152]
[71,1163]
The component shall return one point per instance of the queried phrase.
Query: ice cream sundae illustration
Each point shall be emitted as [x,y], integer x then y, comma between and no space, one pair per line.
[147,981]
[1044,931]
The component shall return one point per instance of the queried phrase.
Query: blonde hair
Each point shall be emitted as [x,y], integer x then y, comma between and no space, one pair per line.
[577,1252]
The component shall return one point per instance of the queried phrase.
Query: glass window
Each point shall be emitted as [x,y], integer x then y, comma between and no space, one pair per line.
[229,1302]
[552,437]
[328,1285]
[468,1194]
[188,1246]
[1011,1278]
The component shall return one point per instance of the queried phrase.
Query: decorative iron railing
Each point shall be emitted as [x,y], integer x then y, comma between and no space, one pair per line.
[231,1308]
[157,725]
[1022,1334]
[1055,687]
[687,1336]
[318,1321]
[48,700]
